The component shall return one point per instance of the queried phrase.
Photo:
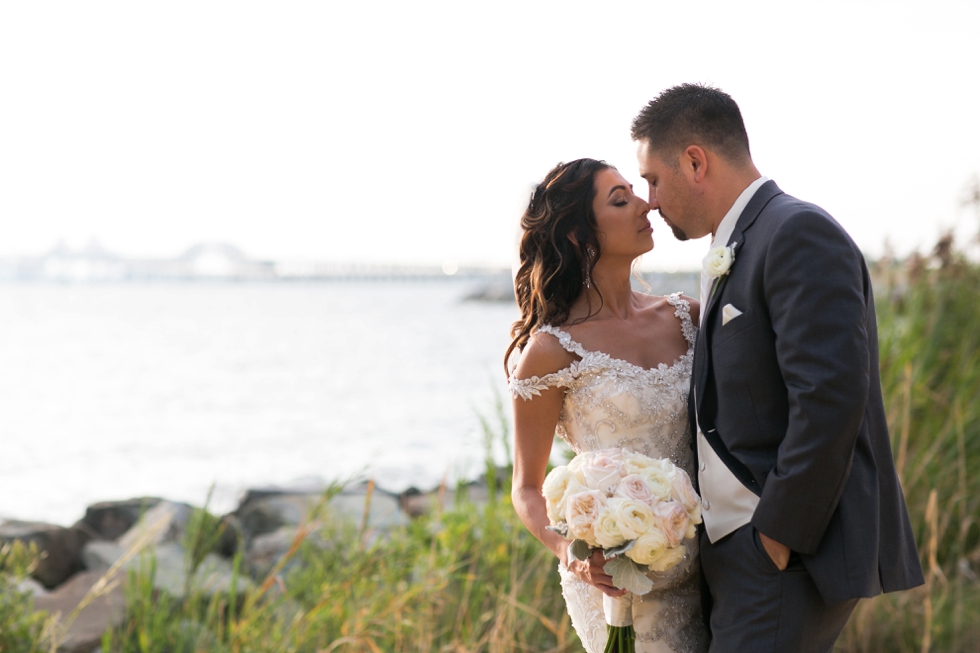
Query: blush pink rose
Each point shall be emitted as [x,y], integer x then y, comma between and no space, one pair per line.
[581,512]
[673,521]
[683,492]
[603,473]
[635,488]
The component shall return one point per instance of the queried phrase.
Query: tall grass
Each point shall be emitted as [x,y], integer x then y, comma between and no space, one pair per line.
[465,579]
[929,330]
[469,578]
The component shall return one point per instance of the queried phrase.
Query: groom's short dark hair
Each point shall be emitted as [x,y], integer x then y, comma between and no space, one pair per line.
[693,114]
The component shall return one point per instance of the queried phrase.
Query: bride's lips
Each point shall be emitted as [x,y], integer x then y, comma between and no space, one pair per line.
[647,228]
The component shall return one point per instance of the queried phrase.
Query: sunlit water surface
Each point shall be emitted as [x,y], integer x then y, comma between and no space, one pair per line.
[117,391]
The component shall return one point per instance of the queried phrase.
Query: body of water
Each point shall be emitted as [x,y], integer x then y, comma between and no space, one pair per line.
[117,391]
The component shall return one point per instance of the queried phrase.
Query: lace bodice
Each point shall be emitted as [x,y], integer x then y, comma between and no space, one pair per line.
[611,402]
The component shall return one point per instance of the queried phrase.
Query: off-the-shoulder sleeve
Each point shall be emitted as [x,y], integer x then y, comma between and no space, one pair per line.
[532,386]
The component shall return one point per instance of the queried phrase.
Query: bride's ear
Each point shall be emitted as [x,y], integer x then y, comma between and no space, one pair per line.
[572,239]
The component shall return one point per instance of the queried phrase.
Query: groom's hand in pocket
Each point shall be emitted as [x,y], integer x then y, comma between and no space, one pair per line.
[778,553]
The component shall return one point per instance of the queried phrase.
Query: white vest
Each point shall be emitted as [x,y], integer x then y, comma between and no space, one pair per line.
[726,504]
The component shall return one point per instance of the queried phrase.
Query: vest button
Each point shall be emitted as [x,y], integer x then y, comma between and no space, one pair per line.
[706,505]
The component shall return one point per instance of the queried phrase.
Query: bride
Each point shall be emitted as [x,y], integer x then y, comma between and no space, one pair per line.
[600,365]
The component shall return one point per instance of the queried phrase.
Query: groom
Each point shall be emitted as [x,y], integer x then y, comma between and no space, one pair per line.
[803,511]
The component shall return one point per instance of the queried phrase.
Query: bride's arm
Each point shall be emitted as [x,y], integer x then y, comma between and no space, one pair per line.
[534,431]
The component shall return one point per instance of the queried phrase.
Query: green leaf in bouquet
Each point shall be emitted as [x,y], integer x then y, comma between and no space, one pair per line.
[612,552]
[627,575]
[561,528]
[579,550]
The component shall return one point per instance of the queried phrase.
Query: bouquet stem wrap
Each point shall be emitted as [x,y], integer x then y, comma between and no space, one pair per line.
[618,610]
[619,619]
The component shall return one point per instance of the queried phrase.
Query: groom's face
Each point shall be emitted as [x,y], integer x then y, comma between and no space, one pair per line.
[669,191]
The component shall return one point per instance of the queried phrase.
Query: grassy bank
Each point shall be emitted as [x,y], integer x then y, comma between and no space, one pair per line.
[471,578]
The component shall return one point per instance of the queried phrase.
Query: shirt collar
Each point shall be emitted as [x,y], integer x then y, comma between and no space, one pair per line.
[727,224]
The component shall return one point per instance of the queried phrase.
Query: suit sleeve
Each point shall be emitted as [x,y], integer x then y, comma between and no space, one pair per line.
[814,288]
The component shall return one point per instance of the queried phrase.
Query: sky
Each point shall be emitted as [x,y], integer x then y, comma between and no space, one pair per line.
[413,132]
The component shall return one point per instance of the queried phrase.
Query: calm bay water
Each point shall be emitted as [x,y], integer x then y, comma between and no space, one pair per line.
[116,391]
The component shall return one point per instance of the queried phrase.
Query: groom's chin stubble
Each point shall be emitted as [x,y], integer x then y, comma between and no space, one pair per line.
[678,234]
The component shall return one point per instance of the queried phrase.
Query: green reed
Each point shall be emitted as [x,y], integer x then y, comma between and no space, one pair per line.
[464,578]
[929,330]
[469,578]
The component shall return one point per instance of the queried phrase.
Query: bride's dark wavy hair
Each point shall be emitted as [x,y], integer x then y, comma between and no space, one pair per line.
[554,269]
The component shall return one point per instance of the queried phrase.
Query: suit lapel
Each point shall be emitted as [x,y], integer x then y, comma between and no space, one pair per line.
[702,350]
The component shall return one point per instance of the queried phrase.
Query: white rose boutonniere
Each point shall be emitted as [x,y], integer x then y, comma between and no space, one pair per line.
[719,261]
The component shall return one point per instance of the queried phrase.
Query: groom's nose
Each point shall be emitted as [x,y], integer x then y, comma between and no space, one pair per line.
[654,205]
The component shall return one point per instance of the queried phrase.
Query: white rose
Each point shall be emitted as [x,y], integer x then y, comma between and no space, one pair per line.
[557,507]
[658,482]
[634,463]
[718,261]
[648,547]
[606,528]
[632,517]
[669,559]
[581,513]
[635,488]
[577,463]
[673,521]
[555,483]
[603,473]
[683,491]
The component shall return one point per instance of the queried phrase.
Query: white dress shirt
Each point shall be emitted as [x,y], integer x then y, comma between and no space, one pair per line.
[726,504]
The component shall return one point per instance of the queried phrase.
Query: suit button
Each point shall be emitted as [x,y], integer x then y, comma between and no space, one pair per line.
[702,467]
[706,505]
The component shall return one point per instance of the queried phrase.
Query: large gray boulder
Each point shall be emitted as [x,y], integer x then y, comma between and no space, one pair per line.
[85,633]
[108,520]
[61,548]
[164,522]
[214,574]
[264,511]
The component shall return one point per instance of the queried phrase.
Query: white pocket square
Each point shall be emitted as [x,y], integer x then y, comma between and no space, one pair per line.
[729,313]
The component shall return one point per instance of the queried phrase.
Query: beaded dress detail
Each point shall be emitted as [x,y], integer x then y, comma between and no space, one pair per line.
[613,403]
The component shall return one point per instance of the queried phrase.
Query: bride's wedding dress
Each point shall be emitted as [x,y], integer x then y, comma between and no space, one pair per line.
[612,403]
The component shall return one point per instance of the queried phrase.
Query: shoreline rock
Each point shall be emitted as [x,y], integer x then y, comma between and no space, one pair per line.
[262,528]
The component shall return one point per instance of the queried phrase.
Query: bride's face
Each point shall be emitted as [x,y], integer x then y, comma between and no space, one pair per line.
[621,217]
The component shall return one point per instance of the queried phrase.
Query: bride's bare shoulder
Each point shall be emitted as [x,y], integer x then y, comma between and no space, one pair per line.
[542,355]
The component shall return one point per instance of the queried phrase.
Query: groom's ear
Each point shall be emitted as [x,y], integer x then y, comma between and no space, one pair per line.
[694,161]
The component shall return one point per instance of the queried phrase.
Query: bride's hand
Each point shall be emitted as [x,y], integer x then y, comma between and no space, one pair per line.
[591,571]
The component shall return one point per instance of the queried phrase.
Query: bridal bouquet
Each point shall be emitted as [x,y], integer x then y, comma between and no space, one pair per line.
[636,509]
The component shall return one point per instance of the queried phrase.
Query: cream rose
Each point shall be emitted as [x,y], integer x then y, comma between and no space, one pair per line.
[658,482]
[683,491]
[577,463]
[555,483]
[603,473]
[673,521]
[633,517]
[648,547]
[558,507]
[669,559]
[634,463]
[718,261]
[635,488]
[581,513]
[606,528]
